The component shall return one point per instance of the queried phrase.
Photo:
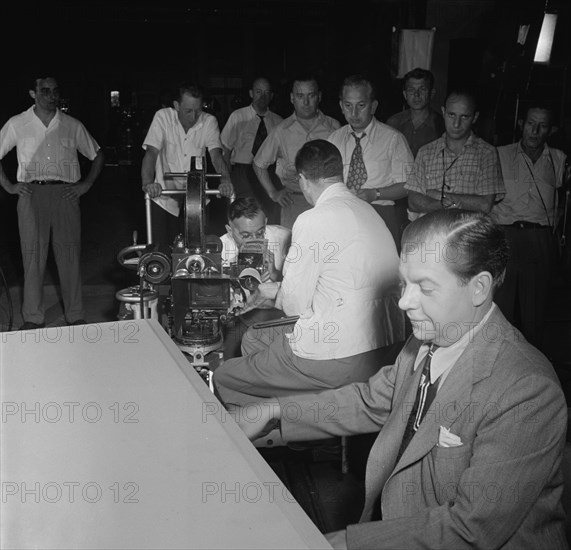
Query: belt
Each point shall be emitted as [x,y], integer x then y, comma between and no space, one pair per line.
[528,225]
[293,192]
[48,182]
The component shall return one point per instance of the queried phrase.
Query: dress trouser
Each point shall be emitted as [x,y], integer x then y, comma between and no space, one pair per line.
[523,295]
[43,212]
[395,218]
[269,368]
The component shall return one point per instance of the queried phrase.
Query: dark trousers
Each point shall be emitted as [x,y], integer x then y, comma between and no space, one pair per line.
[395,218]
[524,293]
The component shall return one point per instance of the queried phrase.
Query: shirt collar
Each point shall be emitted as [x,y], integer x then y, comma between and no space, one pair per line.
[331,191]
[444,359]
[468,143]
[519,150]
[366,131]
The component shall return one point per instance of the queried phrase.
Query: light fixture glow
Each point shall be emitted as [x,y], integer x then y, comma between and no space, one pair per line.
[545,42]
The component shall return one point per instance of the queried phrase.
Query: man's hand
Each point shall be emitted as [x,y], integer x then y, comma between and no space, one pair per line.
[153,190]
[264,297]
[22,189]
[270,273]
[256,419]
[226,189]
[282,197]
[368,195]
[337,539]
[74,191]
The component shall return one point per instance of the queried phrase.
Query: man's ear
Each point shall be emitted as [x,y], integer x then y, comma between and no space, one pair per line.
[228,228]
[553,130]
[32,94]
[476,115]
[374,106]
[176,105]
[482,285]
[319,98]
[251,94]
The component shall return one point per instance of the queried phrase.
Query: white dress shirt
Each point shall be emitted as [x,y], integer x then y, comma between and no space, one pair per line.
[386,154]
[340,265]
[240,131]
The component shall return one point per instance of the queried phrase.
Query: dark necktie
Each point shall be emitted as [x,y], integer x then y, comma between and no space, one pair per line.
[357,175]
[261,135]
[424,397]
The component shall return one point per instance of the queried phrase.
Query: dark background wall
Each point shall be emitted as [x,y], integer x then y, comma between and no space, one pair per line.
[143,49]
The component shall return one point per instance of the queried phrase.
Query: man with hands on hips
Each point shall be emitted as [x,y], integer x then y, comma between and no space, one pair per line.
[472,418]
[49,186]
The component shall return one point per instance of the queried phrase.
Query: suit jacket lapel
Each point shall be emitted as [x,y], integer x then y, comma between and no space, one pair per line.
[454,398]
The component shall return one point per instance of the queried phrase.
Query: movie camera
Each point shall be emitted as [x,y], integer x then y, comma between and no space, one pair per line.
[186,288]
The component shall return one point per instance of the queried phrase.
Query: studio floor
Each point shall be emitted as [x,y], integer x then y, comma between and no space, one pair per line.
[111,212]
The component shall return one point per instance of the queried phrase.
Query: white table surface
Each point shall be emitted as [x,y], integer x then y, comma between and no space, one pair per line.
[108,441]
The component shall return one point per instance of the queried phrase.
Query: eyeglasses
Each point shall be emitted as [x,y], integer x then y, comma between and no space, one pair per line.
[259,234]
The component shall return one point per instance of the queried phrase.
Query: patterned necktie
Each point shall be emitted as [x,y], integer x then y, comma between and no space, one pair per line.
[357,172]
[261,135]
[424,397]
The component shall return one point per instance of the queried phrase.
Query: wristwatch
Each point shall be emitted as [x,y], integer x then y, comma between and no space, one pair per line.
[447,203]
[377,194]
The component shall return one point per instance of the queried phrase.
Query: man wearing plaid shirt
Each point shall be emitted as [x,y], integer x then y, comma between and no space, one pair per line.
[457,170]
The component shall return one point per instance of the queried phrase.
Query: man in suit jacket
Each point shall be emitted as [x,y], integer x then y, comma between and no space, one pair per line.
[483,468]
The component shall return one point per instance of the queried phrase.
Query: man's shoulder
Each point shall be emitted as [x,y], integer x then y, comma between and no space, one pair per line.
[278,232]
[20,118]
[339,134]
[385,130]
[429,149]
[398,119]
[329,121]
[481,143]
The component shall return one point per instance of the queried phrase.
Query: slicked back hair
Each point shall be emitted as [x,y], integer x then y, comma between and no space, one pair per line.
[469,242]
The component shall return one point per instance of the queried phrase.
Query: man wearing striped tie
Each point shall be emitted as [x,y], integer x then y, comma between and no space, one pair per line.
[473,417]
[375,156]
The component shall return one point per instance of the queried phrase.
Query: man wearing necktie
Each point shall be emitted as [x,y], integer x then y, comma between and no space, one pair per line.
[480,464]
[375,156]
[242,136]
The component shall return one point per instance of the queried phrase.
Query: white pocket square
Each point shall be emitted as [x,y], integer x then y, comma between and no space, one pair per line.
[447,439]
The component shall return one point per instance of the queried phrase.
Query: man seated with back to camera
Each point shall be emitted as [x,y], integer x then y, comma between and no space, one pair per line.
[473,417]
[339,269]
[247,222]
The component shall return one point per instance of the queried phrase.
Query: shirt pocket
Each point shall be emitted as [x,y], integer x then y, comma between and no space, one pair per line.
[66,148]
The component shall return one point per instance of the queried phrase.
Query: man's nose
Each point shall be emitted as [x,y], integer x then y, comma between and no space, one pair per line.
[407,299]
[456,122]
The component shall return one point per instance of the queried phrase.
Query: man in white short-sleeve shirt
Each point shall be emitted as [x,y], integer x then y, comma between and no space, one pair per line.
[176,135]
